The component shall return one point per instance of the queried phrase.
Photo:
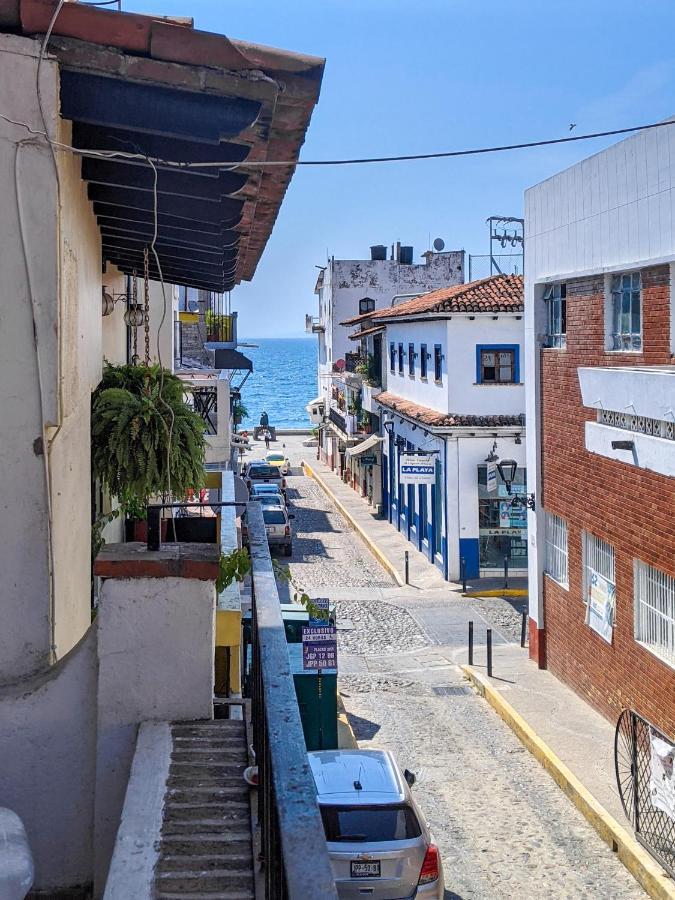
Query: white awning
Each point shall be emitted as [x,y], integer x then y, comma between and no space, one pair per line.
[369,444]
[314,402]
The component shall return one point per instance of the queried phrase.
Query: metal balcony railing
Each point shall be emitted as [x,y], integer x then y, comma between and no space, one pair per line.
[221,325]
[294,857]
[337,419]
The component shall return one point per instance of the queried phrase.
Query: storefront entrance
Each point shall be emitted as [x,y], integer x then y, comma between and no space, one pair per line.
[502,527]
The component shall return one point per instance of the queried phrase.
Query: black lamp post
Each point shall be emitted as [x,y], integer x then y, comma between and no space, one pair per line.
[507,469]
[388,425]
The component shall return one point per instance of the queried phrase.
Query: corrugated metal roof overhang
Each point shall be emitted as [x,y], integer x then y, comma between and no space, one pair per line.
[139,84]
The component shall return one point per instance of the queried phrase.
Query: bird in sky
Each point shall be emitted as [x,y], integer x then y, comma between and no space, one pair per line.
[573,125]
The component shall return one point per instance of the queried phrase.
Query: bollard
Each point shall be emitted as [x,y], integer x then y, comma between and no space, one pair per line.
[489,652]
[406,567]
[470,643]
[523,629]
[462,573]
[506,572]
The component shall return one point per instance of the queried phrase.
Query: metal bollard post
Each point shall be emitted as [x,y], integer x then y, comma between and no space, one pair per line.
[406,567]
[506,572]
[470,643]
[462,573]
[523,629]
[489,652]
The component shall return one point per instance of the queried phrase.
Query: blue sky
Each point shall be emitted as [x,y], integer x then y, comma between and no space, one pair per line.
[429,76]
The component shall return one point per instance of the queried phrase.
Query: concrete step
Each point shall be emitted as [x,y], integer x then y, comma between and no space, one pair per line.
[236,894]
[235,753]
[225,813]
[174,845]
[194,793]
[226,831]
[207,769]
[192,880]
[232,861]
[216,728]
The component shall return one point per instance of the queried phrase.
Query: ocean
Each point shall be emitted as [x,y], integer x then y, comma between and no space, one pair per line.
[283,381]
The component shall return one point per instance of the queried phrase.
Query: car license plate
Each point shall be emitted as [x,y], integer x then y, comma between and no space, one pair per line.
[366,869]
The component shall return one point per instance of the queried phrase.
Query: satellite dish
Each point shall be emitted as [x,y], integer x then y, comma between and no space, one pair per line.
[193,306]
[240,494]
[340,365]
[439,244]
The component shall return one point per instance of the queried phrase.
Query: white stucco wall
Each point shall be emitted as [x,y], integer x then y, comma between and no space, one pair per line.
[156,652]
[459,337]
[611,211]
[47,748]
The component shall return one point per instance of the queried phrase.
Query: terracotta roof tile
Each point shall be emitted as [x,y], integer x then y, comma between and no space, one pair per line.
[499,293]
[357,335]
[435,419]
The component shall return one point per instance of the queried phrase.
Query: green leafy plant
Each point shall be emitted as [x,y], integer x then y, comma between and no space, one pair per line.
[239,411]
[354,407]
[146,440]
[368,370]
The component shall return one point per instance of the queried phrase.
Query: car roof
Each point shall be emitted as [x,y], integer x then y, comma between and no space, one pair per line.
[336,771]
[266,489]
[275,454]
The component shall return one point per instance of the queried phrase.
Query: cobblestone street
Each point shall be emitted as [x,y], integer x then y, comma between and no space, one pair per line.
[504,829]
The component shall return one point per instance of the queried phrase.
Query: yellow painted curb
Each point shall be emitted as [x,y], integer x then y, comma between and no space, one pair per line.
[506,592]
[639,863]
[372,546]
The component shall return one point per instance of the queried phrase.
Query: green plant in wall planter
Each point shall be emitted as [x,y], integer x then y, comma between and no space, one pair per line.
[239,412]
[146,441]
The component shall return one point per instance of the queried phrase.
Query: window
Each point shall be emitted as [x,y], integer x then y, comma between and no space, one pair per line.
[626,309]
[655,611]
[423,360]
[555,296]
[598,560]
[366,305]
[370,823]
[411,360]
[392,357]
[556,548]
[400,359]
[497,365]
[438,363]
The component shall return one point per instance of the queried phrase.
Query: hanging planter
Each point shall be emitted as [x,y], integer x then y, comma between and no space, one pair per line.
[146,440]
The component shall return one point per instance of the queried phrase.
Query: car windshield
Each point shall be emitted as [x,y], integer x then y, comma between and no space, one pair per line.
[266,489]
[276,457]
[370,823]
[270,499]
[274,516]
[263,472]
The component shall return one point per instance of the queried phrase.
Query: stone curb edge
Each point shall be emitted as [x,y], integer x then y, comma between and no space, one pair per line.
[506,592]
[639,863]
[372,546]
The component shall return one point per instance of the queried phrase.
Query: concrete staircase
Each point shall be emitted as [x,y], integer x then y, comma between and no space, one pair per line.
[205,849]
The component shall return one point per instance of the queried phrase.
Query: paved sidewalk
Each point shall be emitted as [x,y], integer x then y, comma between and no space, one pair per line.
[384,541]
[573,742]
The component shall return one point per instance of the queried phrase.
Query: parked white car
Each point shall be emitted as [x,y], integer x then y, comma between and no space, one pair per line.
[379,843]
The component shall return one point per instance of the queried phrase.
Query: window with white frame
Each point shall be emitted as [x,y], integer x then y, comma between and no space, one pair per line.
[654,609]
[598,560]
[626,311]
[555,296]
[556,548]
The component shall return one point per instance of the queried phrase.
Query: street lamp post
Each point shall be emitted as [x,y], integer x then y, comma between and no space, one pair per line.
[507,469]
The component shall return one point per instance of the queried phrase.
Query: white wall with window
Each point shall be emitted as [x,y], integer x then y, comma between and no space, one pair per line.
[556,549]
[654,611]
[555,297]
[479,357]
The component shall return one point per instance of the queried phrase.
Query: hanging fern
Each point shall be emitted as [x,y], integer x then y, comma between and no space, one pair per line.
[130,428]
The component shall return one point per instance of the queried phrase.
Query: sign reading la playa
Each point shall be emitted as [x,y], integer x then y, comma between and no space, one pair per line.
[417,468]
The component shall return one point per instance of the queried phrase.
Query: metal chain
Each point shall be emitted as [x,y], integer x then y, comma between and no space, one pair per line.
[134,306]
[146,316]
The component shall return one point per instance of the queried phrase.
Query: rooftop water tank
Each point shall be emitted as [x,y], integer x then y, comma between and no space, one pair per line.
[406,257]
[378,251]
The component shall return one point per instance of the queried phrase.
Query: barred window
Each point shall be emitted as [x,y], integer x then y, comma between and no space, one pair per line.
[400,359]
[626,296]
[598,559]
[556,548]
[411,360]
[555,296]
[654,609]
[392,357]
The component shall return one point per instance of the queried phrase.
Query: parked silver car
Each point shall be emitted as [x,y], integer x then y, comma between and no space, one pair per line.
[379,843]
[278,527]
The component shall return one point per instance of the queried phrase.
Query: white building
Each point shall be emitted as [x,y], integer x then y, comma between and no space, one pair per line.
[348,288]
[452,388]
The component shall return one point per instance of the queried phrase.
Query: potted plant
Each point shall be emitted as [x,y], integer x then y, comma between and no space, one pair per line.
[146,440]
[239,412]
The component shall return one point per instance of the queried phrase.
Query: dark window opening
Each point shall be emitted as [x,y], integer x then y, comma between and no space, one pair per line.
[400,359]
[497,366]
[438,363]
[411,360]
[423,360]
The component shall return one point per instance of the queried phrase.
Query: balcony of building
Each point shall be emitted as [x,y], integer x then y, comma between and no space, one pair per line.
[314,325]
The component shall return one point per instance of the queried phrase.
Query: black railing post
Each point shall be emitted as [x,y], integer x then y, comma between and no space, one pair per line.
[523,629]
[506,573]
[154,526]
[470,643]
[462,573]
[406,567]
[489,652]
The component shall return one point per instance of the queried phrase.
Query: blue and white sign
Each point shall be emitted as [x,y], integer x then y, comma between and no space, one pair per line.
[417,468]
[319,647]
[491,477]
[322,605]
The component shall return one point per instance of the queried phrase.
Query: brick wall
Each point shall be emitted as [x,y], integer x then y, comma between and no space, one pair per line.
[632,509]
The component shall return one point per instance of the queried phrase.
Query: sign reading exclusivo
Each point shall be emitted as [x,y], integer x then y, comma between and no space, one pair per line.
[319,647]
[417,468]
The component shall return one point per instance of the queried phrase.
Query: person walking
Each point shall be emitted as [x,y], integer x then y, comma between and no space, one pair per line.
[266,437]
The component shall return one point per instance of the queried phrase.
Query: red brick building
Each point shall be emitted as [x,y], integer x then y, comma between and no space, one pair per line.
[600,357]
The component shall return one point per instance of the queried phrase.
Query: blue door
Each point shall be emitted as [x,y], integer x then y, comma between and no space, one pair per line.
[422,521]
